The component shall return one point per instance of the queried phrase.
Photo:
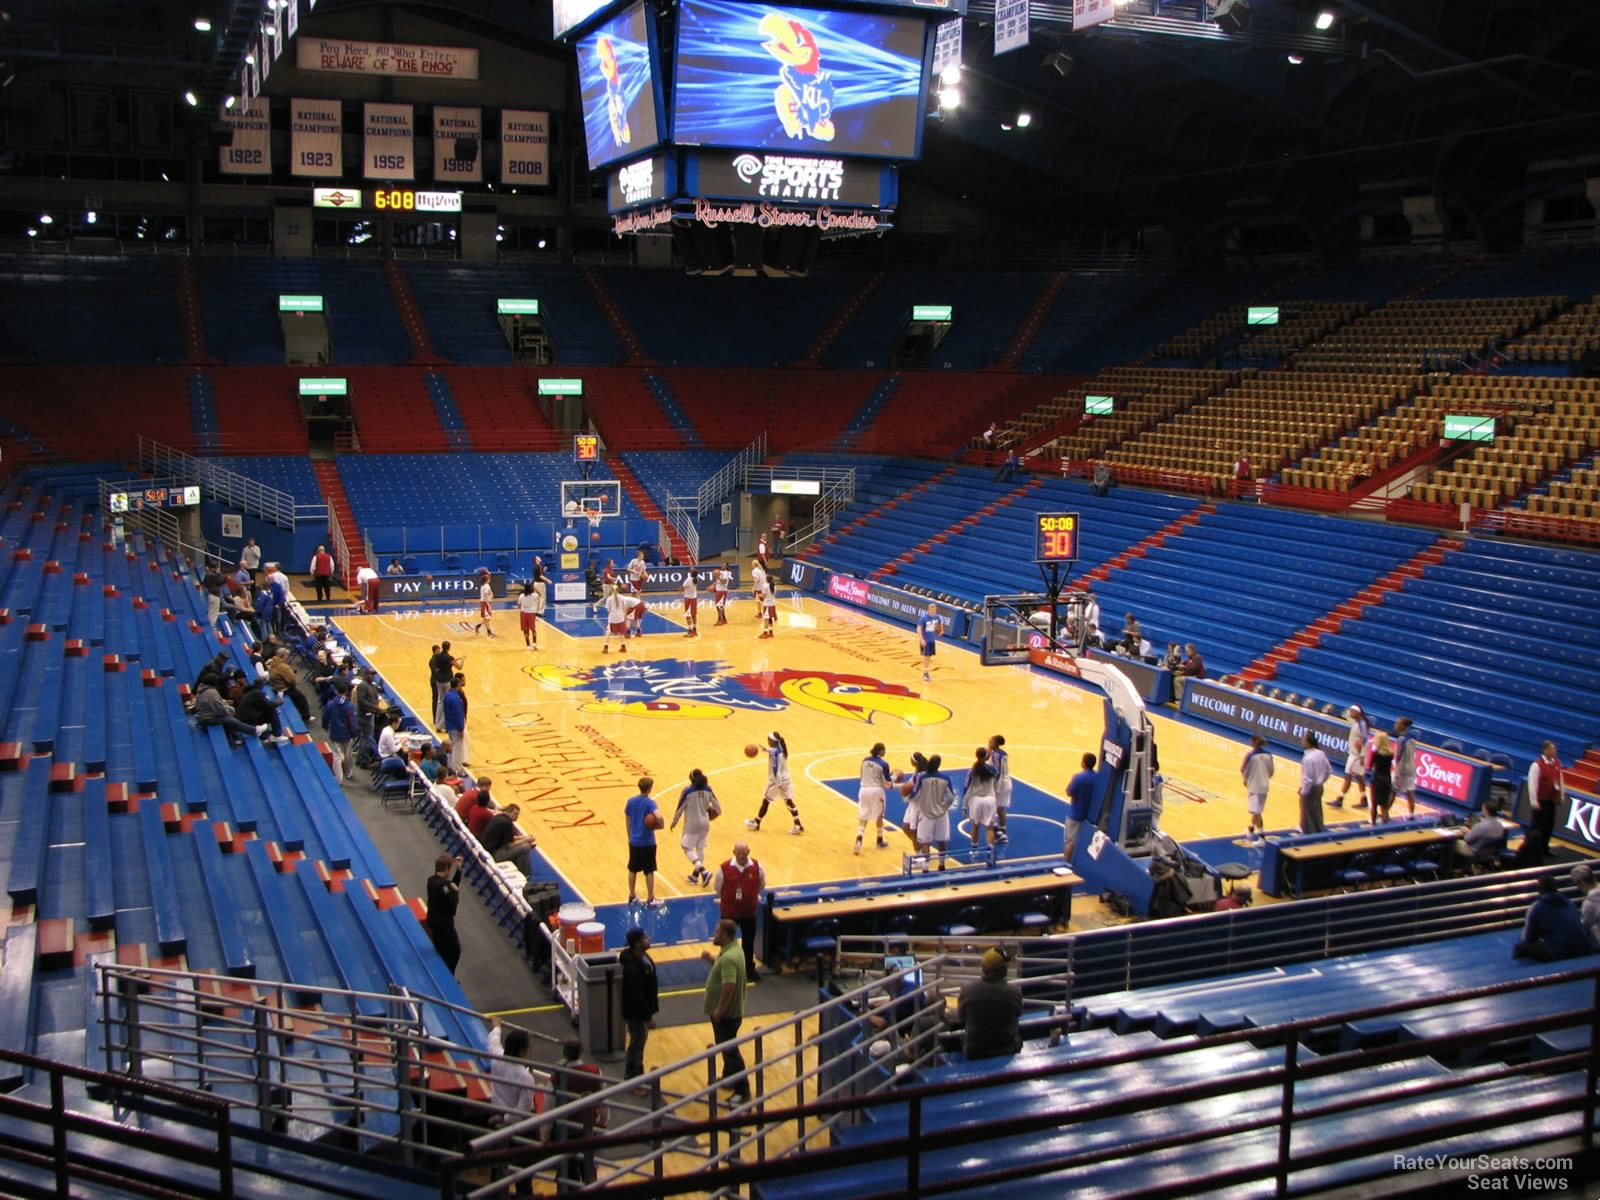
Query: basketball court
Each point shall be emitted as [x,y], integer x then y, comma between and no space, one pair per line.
[566,731]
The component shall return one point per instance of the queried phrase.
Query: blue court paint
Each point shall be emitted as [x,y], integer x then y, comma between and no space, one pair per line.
[1034,824]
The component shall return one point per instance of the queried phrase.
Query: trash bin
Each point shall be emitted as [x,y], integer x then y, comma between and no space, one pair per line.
[600,1025]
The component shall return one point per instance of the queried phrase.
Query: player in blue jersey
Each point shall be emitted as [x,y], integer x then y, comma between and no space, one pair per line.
[780,785]
[1001,762]
[875,776]
[929,626]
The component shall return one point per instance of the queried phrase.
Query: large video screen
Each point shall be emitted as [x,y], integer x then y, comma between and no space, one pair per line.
[764,76]
[620,86]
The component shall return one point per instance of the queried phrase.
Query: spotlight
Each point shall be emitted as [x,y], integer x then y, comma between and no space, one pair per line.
[46,219]
[950,98]
[951,75]
[191,99]
[90,217]
[1297,59]
[229,102]
[1060,62]
[250,59]
[1024,120]
[1325,20]
[541,243]
[32,232]
[201,25]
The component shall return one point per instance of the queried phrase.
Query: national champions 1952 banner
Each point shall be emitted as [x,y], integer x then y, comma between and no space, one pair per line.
[388,144]
[450,127]
[316,145]
[524,147]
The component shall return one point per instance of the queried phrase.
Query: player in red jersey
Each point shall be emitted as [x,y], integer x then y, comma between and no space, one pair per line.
[691,603]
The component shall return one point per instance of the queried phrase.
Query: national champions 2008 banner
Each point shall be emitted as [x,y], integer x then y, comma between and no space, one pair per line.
[388,147]
[524,147]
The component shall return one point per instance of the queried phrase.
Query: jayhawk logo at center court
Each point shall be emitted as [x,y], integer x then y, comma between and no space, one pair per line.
[683,690]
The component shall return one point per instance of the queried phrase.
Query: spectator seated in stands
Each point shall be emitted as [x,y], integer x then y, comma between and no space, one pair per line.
[477,808]
[1192,666]
[1132,637]
[1241,897]
[432,770]
[285,681]
[389,741]
[255,708]
[1102,480]
[1485,838]
[1554,928]
[395,567]
[990,1011]
[1173,658]
[504,842]
[1589,914]
[211,709]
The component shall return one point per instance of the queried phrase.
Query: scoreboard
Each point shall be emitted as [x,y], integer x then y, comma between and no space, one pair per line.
[1055,537]
[387,200]
[155,497]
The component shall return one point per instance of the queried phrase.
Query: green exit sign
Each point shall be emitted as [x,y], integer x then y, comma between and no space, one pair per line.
[517,308]
[299,304]
[1261,316]
[324,387]
[1098,406]
[1467,428]
[931,312]
[560,387]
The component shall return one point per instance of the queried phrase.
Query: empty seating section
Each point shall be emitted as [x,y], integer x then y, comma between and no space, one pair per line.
[1244,579]
[1142,398]
[1374,447]
[1411,335]
[500,407]
[929,413]
[986,311]
[623,408]
[726,320]
[169,847]
[1300,322]
[674,473]
[393,410]
[458,305]
[796,409]
[1568,337]
[1496,647]
[65,408]
[240,298]
[78,310]
[1545,425]
[1274,417]
[1087,325]
[258,410]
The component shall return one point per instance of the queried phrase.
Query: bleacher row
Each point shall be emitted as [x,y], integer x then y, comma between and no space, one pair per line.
[133,836]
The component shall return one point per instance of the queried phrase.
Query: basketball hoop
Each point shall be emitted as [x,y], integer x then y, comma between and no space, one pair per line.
[592,515]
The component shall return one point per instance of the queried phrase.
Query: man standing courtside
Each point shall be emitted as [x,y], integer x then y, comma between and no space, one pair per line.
[1546,786]
[738,885]
[1315,770]
[724,1003]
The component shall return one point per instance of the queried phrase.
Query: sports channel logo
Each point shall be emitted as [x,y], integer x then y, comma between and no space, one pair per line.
[637,182]
[786,177]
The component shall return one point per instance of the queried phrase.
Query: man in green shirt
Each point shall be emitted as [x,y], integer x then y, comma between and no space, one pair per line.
[725,1002]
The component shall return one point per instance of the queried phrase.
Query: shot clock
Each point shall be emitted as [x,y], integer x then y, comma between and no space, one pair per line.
[1055,537]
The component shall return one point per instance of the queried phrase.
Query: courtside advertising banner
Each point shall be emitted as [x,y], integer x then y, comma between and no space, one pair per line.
[1283,724]
[316,147]
[890,601]
[670,579]
[1453,777]
[386,58]
[524,147]
[1578,820]
[389,145]
[250,152]
[450,125]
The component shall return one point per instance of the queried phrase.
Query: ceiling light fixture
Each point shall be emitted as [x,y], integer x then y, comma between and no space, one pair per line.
[229,102]
[46,219]
[1325,20]
[250,59]
[1024,120]
[90,217]
[191,99]
[201,25]
[950,98]
[1297,59]
[951,75]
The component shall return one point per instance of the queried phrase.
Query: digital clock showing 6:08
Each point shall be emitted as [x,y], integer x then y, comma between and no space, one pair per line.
[1055,537]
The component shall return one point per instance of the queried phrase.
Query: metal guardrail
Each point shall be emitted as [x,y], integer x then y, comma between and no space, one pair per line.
[838,491]
[159,522]
[684,512]
[227,486]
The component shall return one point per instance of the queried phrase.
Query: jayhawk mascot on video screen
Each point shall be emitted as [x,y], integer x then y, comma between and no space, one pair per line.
[616,103]
[804,98]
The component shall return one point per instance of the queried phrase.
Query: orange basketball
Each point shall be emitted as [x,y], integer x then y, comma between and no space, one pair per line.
[751,750]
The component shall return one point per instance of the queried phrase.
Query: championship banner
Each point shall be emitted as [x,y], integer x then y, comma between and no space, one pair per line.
[388,147]
[250,152]
[946,46]
[1088,13]
[524,147]
[450,125]
[386,58]
[291,17]
[1010,25]
[315,143]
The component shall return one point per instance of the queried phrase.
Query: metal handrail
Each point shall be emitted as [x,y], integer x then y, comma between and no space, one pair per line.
[227,486]
[1290,1035]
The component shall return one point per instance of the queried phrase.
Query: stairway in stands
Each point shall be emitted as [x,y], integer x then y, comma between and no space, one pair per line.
[647,507]
[405,302]
[1266,667]
[856,525]
[333,495]
[866,414]
[203,414]
[1139,549]
[673,411]
[1029,329]
[613,315]
[958,528]
[813,356]
[444,405]
[191,318]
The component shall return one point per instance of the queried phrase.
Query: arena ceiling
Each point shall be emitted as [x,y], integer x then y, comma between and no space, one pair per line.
[1156,118]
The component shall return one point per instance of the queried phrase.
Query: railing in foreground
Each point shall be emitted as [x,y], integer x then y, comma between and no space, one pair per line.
[160,523]
[1269,1100]
[684,512]
[227,486]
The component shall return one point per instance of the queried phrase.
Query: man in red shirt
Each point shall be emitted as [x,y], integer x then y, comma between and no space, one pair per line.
[1546,787]
[738,885]
[322,573]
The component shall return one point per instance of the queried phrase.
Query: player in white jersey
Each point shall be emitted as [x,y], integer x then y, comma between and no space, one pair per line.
[1001,762]
[875,777]
[691,603]
[636,573]
[485,603]
[780,785]
[978,796]
[528,605]
[758,583]
[697,808]
[721,581]
[616,607]
[769,608]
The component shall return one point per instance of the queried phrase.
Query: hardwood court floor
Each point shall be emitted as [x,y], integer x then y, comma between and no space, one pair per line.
[565,731]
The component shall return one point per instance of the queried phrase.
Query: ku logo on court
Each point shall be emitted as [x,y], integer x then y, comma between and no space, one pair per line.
[682,690]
